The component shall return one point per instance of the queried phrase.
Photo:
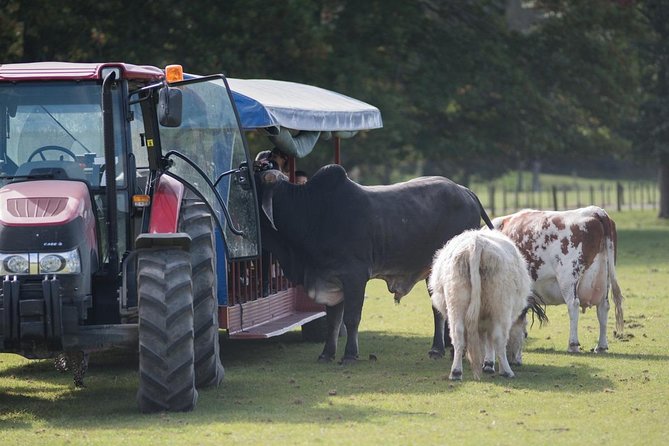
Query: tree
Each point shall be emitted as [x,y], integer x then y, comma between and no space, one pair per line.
[652,136]
[584,68]
[461,92]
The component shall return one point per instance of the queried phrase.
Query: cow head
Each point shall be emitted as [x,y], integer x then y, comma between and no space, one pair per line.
[516,342]
[518,332]
[267,181]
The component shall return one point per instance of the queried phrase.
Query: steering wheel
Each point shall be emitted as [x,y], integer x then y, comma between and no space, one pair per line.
[40,151]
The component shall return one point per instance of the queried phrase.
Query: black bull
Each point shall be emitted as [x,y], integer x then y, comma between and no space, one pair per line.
[332,235]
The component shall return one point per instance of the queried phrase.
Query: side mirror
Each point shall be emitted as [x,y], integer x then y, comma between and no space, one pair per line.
[10,103]
[170,107]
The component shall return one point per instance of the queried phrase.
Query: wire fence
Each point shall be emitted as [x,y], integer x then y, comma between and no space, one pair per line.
[620,196]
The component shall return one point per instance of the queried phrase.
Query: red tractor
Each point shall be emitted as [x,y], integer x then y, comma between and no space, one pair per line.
[129,218]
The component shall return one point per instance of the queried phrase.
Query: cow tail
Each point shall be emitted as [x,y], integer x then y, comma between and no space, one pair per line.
[473,341]
[482,211]
[615,288]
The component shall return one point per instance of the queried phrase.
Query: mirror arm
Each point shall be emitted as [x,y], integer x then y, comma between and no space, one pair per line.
[225,174]
[226,213]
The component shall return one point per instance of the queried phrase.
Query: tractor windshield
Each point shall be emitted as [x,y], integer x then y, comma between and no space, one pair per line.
[211,138]
[53,125]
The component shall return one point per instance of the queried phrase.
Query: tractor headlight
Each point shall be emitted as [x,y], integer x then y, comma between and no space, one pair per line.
[60,262]
[67,262]
[15,264]
[51,263]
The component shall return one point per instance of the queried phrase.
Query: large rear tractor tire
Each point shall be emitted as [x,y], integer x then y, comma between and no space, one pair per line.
[166,353]
[196,221]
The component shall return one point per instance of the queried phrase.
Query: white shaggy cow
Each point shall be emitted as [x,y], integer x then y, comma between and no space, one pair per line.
[571,259]
[480,282]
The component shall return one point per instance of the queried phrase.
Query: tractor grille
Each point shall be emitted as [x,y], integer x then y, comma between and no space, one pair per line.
[36,207]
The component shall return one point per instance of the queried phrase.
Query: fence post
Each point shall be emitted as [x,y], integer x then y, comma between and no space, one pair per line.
[609,200]
[491,198]
[564,197]
[578,196]
[592,194]
[619,198]
[504,203]
[555,202]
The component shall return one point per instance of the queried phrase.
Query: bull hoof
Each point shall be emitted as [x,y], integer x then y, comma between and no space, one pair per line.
[507,375]
[488,367]
[456,375]
[60,363]
[324,359]
[436,354]
[600,349]
[574,348]
[348,360]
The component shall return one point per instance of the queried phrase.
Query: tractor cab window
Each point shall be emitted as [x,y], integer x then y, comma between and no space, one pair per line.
[54,129]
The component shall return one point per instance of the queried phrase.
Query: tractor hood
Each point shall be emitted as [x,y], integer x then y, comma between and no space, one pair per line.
[44,203]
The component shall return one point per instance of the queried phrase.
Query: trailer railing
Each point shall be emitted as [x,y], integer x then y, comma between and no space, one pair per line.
[249,280]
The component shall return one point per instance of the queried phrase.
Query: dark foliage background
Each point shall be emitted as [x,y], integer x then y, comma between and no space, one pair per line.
[466,87]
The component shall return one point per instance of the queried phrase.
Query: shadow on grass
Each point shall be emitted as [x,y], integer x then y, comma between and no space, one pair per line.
[277,380]
[598,356]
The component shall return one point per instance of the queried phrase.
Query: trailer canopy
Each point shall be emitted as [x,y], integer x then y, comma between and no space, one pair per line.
[295,116]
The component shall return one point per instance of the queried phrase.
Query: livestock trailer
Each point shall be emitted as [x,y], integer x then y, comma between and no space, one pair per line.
[293,117]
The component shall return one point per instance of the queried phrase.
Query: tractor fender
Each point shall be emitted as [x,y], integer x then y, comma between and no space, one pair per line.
[179,240]
[166,205]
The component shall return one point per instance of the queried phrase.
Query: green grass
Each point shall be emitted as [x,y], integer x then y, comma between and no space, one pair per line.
[275,392]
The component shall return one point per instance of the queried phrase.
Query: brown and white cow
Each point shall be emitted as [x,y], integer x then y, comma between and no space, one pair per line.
[480,282]
[571,259]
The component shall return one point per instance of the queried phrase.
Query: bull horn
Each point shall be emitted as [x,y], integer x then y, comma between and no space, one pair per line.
[269,179]
[267,208]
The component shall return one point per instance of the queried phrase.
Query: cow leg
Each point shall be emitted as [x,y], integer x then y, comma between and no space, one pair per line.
[570,296]
[500,338]
[333,318]
[354,296]
[489,356]
[574,306]
[603,317]
[458,337]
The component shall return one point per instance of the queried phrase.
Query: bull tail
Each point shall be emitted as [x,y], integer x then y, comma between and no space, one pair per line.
[482,211]
[485,217]
[473,341]
[611,247]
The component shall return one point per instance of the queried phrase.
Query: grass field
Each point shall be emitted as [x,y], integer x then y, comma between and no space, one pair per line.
[276,393]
